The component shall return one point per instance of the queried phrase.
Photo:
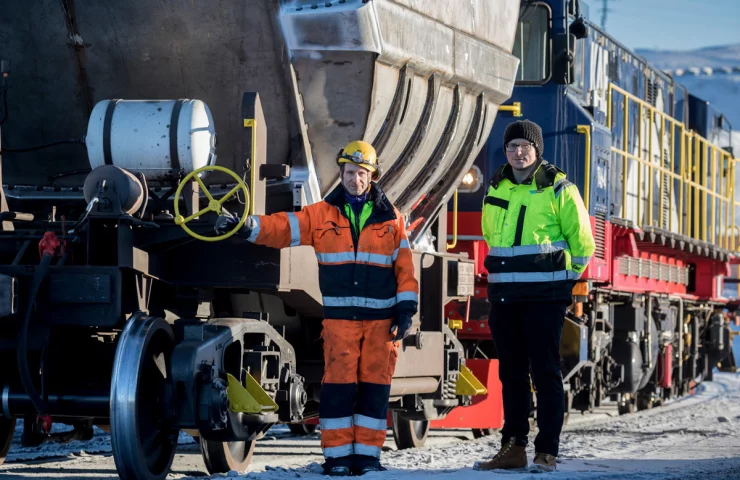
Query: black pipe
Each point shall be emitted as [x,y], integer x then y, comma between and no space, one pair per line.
[78,141]
[16,403]
[4,93]
[4,75]
[20,236]
[22,348]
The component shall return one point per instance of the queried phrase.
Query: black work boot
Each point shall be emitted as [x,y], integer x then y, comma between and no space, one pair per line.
[363,464]
[338,471]
[369,469]
[338,467]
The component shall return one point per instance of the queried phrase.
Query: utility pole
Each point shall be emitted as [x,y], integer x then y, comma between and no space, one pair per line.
[604,13]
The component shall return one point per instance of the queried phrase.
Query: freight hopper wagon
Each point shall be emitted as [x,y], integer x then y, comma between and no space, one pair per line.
[118,306]
[654,165]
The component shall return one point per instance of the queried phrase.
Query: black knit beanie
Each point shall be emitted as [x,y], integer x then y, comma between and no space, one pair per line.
[527,130]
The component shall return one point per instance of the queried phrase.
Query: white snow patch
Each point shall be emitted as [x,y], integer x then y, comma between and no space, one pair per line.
[100,443]
[684,439]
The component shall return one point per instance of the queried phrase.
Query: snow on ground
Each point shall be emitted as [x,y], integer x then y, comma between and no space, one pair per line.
[691,438]
[100,443]
[694,437]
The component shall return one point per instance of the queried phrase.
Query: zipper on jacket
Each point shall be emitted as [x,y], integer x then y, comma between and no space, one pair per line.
[352,228]
[519,226]
[355,232]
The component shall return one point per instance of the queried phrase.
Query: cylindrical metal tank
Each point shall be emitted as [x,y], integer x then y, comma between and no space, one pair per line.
[128,188]
[158,138]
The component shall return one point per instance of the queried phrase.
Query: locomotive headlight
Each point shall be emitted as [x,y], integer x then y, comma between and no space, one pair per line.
[471,181]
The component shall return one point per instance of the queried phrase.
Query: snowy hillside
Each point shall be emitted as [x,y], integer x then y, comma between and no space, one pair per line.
[712,57]
[711,73]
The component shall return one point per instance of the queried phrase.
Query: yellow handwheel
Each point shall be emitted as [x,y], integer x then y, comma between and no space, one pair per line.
[213,205]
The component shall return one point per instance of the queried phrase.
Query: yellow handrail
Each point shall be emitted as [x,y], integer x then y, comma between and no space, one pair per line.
[515,108]
[704,179]
[736,205]
[454,223]
[252,123]
[625,142]
[586,130]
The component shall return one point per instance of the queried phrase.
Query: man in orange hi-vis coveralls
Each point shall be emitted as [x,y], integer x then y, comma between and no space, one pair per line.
[366,276]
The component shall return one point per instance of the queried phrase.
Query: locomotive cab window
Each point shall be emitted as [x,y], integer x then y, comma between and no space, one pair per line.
[578,65]
[531,44]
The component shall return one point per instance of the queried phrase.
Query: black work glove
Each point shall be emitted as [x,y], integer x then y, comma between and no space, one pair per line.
[403,322]
[227,221]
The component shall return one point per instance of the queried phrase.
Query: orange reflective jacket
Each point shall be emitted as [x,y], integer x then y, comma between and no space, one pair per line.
[365,278]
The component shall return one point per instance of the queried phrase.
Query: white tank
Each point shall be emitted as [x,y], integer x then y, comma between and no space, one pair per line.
[146,135]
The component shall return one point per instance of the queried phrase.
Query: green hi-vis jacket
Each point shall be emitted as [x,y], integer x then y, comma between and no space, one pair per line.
[539,234]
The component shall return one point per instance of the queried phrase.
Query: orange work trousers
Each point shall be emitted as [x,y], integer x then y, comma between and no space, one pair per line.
[359,360]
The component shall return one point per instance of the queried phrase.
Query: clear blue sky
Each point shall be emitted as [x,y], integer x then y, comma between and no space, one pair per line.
[670,24]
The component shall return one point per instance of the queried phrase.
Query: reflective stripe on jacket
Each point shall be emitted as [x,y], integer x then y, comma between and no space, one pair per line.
[539,234]
[365,277]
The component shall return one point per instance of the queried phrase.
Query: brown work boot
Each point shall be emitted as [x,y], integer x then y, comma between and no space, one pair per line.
[545,462]
[510,456]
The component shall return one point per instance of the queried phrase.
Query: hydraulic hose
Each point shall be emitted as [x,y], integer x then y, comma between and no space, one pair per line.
[4,75]
[79,140]
[22,349]
[4,93]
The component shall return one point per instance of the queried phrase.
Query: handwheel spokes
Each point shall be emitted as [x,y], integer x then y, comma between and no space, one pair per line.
[196,215]
[204,189]
[213,204]
[230,194]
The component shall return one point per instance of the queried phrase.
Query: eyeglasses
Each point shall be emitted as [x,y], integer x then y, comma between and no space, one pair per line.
[524,146]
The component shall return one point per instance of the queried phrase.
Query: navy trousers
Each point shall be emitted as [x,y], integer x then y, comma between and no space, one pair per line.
[527,335]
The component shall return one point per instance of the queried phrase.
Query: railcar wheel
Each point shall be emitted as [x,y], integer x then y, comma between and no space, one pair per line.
[221,457]
[409,433]
[625,405]
[7,429]
[301,429]
[143,438]
[644,401]
[483,432]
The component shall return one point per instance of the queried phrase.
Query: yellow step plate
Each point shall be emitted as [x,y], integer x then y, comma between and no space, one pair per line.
[467,384]
[252,399]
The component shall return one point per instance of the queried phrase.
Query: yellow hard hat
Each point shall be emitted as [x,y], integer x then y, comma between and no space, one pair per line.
[360,153]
